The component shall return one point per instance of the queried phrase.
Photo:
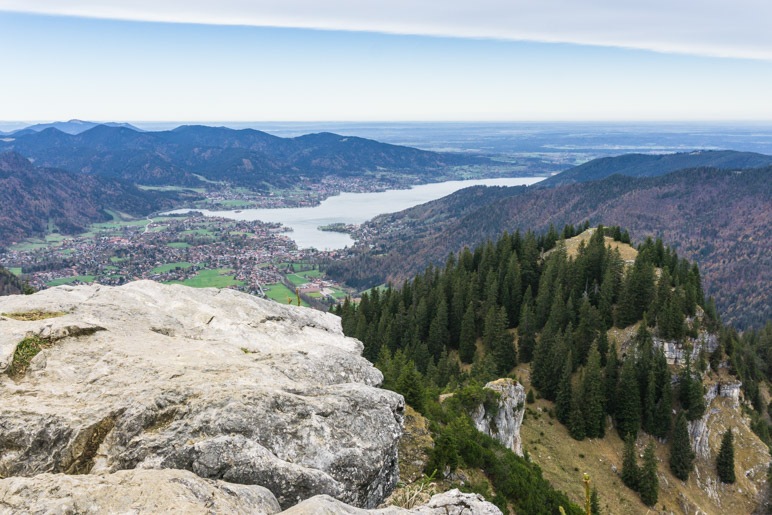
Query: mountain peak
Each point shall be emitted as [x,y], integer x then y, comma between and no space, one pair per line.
[13,161]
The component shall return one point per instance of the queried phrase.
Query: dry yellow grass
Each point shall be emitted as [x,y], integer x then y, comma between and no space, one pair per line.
[627,252]
[563,461]
[31,316]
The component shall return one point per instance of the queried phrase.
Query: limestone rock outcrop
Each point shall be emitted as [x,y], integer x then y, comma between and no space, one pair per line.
[132,491]
[452,502]
[699,430]
[503,423]
[216,382]
[674,351]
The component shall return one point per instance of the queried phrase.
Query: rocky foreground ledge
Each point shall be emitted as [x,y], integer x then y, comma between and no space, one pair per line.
[153,397]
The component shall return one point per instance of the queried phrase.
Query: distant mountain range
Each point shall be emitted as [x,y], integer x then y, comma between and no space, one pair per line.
[69,127]
[32,199]
[720,218]
[648,165]
[243,157]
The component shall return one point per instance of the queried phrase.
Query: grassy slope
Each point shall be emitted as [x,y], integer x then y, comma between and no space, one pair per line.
[560,458]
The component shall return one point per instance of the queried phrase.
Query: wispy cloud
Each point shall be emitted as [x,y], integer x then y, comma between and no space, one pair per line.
[722,28]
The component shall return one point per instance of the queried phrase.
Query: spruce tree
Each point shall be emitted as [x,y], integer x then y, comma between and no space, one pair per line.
[649,483]
[593,398]
[690,392]
[576,419]
[725,458]
[611,378]
[628,409]
[602,343]
[594,502]
[630,472]
[498,341]
[543,359]
[696,401]
[513,290]
[662,414]
[444,455]
[526,329]
[564,400]
[439,336]
[681,454]
[410,385]
[649,403]
[466,345]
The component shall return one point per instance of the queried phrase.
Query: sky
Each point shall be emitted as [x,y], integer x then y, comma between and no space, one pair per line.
[402,60]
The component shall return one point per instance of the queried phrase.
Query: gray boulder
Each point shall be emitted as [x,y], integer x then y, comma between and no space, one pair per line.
[216,382]
[132,491]
[452,502]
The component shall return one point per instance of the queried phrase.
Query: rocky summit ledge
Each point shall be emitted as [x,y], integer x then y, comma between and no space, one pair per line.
[215,382]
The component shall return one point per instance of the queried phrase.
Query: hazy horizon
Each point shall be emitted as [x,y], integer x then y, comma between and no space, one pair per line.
[300,61]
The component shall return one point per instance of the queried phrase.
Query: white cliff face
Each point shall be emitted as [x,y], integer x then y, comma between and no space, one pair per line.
[504,423]
[699,430]
[674,351]
[752,458]
[216,382]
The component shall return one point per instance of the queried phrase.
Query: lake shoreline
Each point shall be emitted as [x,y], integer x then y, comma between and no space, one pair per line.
[352,209]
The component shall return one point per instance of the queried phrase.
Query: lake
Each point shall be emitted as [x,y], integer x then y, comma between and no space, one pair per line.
[354,208]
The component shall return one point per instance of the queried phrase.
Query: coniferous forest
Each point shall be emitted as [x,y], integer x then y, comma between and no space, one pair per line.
[526,299]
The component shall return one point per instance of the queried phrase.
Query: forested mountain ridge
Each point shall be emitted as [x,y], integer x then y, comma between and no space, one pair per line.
[719,218]
[652,165]
[10,284]
[244,157]
[33,199]
[524,299]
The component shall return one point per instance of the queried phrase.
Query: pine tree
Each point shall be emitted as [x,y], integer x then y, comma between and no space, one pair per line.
[725,458]
[681,454]
[466,345]
[630,471]
[649,483]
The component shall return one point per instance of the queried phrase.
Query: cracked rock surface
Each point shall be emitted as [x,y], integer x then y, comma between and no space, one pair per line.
[215,382]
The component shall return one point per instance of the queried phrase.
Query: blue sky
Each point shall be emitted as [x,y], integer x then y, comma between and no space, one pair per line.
[62,67]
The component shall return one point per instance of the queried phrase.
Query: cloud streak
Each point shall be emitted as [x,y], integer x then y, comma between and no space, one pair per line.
[717,28]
